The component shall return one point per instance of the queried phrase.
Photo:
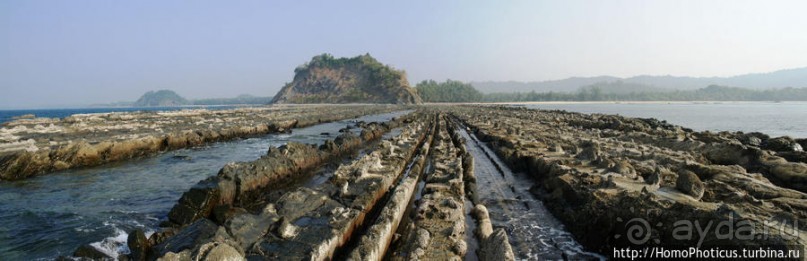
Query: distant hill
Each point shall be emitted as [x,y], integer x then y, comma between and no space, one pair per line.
[168,98]
[361,79]
[622,87]
[161,98]
[758,81]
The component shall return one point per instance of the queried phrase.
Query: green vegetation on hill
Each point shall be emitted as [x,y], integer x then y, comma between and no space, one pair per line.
[161,98]
[448,91]
[361,79]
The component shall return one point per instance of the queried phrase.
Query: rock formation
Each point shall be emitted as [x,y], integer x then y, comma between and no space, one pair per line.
[414,194]
[355,214]
[361,79]
[610,170]
[35,146]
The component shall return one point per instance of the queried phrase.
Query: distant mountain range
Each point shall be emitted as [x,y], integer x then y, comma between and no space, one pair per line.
[645,83]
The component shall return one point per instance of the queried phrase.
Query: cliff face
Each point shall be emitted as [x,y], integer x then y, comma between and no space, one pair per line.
[162,98]
[360,79]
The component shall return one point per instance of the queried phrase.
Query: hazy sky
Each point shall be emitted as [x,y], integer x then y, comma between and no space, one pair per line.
[56,53]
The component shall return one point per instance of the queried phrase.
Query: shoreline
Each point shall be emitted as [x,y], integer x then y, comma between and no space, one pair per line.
[661,102]
[425,103]
[590,171]
[36,146]
[587,170]
[130,107]
[616,102]
[596,173]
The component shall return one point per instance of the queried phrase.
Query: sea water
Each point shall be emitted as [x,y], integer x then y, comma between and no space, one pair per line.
[772,118]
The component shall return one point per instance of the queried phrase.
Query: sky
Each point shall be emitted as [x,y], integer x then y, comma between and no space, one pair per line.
[72,53]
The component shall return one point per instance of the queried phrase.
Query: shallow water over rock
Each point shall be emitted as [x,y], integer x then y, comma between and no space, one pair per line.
[50,215]
[532,230]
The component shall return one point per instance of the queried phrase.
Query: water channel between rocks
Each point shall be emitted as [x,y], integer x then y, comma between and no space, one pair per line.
[50,215]
[532,230]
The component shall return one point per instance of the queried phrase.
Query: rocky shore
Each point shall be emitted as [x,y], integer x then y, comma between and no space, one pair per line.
[597,172]
[438,228]
[364,210]
[414,194]
[33,146]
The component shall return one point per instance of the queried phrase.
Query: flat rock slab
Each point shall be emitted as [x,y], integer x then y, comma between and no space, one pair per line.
[40,145]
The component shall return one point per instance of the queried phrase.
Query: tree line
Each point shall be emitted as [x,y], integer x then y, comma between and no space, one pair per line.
[448,91]
[455,91]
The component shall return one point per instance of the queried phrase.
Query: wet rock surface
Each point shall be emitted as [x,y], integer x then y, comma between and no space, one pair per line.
[312,223]
[362,211]
[91,253]
[380,235]
[529,228]
[239,183]
[495,243]
[138,245]
[438,228]
[32,146]
[328,215]
[596,172]
[437,185]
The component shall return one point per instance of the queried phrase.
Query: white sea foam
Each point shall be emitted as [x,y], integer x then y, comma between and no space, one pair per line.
[113,246]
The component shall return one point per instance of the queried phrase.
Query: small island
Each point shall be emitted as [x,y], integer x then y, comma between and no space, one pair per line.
[169,98]
[361,79]
[161,98]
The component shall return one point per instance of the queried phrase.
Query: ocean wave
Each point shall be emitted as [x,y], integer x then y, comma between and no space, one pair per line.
[113,246]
